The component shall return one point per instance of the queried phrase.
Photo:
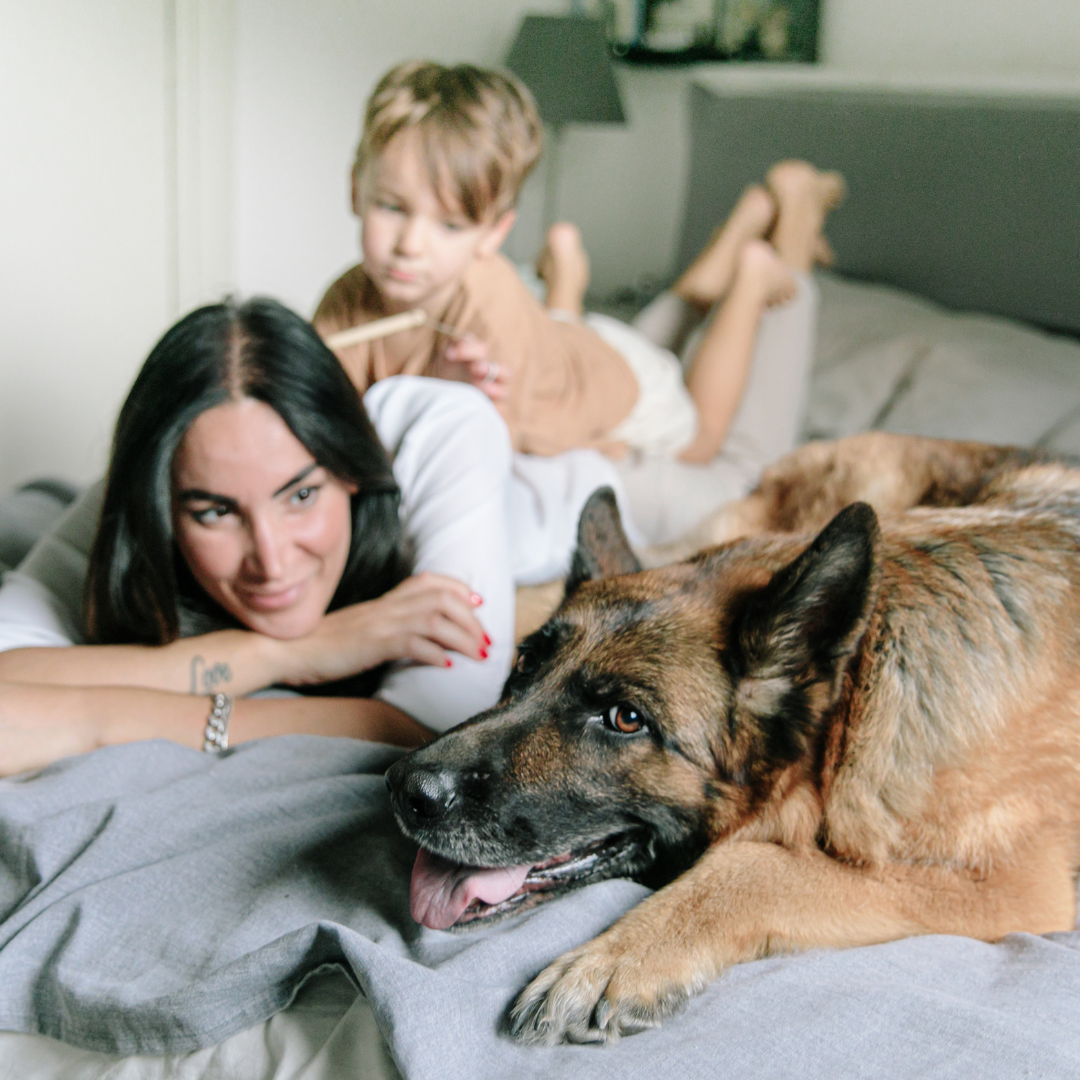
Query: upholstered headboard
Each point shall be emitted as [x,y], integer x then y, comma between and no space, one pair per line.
[971,198]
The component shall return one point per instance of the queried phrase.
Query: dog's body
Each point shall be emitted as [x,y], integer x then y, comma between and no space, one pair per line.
[824,741]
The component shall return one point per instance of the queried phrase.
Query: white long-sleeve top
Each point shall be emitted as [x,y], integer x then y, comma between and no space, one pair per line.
[472,509]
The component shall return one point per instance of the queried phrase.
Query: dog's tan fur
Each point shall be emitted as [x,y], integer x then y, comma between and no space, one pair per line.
[942,791]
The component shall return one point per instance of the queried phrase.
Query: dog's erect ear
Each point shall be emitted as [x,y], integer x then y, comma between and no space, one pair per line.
[602,548]
[807,621]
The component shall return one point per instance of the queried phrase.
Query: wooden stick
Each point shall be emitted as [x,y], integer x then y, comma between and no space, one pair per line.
[393,324]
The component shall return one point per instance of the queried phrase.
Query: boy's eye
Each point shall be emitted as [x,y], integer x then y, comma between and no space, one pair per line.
[391,205]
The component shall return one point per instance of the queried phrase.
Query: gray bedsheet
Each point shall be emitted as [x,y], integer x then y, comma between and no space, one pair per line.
[156,899]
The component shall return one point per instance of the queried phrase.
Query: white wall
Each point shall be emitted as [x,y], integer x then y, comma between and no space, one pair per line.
[82,221]
[993,38]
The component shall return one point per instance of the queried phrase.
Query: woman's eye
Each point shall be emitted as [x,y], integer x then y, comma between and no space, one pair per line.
[389,205]
[625,719]
[453,226]
[211,514]
[304,495]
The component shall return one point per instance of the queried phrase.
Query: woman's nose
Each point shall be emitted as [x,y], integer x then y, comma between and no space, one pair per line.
[267,548]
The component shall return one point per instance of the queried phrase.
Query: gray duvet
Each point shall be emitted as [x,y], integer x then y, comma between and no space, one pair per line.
[156,899]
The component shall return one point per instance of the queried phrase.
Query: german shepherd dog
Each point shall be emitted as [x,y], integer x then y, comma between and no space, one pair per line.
[837,731]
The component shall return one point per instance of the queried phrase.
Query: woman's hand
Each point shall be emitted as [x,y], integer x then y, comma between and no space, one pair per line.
[469,361]
[422,619]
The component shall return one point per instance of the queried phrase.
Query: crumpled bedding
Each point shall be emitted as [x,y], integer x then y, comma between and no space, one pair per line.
[891,361]
[177,898]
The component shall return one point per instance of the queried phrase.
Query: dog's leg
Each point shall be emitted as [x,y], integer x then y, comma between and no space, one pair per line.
[744,900]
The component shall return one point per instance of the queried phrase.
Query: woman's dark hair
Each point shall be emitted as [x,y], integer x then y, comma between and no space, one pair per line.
[139,588]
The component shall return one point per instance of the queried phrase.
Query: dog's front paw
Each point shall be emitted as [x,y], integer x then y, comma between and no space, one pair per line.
[598,992]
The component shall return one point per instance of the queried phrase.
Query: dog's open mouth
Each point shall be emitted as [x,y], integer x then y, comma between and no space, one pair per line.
[446,893]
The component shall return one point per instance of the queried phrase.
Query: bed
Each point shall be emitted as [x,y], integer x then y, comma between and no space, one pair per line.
[953,310]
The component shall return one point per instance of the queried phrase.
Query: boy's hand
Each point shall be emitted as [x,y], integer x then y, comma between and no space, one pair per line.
[469,357]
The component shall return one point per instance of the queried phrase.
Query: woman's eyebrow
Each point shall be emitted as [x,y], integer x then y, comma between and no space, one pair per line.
[302,474]
[199,495]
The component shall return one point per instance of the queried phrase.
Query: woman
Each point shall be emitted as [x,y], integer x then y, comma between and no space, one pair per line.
[253,533]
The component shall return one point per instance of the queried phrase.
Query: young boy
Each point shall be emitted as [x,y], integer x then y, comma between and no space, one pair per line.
[442,158]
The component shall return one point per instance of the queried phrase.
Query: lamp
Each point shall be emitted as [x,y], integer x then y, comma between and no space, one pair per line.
[564,62]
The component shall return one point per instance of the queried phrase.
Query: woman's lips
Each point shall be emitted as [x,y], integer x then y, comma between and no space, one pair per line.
[276,600]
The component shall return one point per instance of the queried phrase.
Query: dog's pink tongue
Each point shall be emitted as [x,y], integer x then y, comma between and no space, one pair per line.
[442,890]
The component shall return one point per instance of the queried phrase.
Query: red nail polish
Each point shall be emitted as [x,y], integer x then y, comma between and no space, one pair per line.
[483,654]
[449,662]
[476,599]
[487,641]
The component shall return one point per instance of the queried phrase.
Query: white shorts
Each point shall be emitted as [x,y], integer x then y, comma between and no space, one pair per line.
[664,418]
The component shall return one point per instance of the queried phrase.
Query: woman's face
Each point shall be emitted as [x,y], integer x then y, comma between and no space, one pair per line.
[264,528]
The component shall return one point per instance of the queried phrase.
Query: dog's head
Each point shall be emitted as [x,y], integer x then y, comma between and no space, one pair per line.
[650,716]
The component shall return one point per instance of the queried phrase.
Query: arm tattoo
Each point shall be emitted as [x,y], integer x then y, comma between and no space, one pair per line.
[206,679]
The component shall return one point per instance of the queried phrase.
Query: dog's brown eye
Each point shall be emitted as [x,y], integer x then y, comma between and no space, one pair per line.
[525,663]
[625,719]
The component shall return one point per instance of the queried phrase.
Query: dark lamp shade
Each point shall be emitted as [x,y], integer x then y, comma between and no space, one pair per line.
[564,61]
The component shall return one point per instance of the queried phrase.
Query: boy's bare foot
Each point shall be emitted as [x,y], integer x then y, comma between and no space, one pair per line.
[710,275]
[762,269]
[804,196]
[564,267]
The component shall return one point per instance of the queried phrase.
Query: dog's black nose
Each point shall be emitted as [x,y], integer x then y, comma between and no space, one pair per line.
[425,794]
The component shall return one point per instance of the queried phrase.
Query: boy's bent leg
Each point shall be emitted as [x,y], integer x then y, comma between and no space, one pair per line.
[769,419]
[718,371]
[668,498]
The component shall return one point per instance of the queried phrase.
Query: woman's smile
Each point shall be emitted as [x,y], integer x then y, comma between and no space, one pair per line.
[272,599]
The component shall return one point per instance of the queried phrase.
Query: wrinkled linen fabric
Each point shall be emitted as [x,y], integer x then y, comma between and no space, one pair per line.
[327,1033]
[154,899]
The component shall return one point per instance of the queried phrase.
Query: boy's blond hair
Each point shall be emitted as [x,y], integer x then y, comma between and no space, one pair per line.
[479,129]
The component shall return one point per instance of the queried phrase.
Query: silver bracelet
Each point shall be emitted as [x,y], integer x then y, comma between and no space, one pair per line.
[216,732]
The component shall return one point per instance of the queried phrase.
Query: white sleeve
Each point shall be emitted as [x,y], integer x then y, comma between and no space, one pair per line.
[451,458]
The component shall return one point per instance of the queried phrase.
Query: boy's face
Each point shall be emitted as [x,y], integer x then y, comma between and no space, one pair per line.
[416,249]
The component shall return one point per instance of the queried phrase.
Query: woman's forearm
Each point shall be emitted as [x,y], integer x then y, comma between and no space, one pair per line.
[39,724]
[356,718]
[235,661]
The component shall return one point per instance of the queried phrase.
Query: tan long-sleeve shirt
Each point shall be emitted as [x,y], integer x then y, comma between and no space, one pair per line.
[568,388]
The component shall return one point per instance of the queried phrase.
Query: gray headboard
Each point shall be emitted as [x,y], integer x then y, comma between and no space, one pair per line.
[970,199]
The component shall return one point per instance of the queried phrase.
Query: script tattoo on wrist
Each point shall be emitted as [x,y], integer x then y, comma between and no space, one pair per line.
[205,679]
